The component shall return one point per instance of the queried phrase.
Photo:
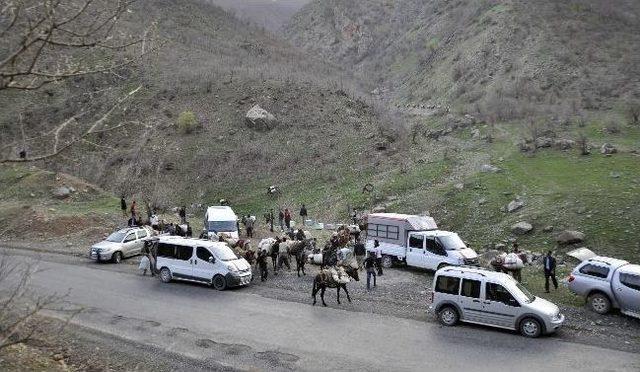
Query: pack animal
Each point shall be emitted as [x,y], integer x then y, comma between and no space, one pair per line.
[326,279]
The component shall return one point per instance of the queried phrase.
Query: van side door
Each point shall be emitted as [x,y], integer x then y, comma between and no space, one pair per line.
[470,301]
[183,262]
[500,307]
[416,250]
[204,264]
[626,287]
[434,253]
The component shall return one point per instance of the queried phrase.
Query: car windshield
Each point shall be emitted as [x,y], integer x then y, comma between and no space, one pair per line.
[116,237]
[452,242]
[224,253]
[525,293]
[222,226]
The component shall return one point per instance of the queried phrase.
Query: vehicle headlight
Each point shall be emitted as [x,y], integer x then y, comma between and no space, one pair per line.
[555,317]
[232,268]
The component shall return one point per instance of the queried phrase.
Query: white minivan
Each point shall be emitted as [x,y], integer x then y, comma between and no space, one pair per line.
[221,219]
[202,261]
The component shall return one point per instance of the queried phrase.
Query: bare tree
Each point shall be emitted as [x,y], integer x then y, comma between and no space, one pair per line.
[633,112]
[47,41]
[19,306]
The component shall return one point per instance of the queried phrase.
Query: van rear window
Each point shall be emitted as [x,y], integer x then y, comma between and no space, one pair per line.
[447,284]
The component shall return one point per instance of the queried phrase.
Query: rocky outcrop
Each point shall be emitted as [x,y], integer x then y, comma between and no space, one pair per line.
[608,149]
[62,192]
[569,237]
[521,228]
[260,119]
[514,205]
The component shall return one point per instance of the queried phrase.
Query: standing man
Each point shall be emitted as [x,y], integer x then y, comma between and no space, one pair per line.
[281,218]
[123,206]
[133,210]
[287,218]
[303,214]
[549,265]
[249,226]
[354,217]
[359,251]
[378,252]
[369,265]
[262,265]
[183,214]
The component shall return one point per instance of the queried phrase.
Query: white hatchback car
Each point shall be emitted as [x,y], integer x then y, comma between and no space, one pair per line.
[480,296]
[120,244]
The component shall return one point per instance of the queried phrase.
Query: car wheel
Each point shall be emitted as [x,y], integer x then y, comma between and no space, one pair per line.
[117,257]
[448,316]
[165,275]
[530,327]
[387,261]
[599,303]
[219,282]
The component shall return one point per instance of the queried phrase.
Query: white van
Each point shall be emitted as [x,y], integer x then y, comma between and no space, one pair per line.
[221,219]
[416,241]
[202,261]
[480,296]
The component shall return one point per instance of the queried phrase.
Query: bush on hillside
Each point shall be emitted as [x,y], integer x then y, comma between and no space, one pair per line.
[187,122]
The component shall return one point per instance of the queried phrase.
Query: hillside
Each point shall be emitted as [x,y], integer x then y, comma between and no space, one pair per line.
[270,14]
[502,59]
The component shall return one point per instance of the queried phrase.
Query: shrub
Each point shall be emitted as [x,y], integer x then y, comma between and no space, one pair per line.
[187,122]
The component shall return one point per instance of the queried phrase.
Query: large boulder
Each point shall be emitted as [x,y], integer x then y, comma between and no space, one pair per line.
[563,143]
[62,192]
[260,119]
[608,149]
[569,237]
[514,205]
[521,228]
[488,168]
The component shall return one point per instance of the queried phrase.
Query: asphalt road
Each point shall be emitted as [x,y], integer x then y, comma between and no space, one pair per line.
[247,331]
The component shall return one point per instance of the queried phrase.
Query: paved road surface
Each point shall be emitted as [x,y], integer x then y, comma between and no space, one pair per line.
[248,331]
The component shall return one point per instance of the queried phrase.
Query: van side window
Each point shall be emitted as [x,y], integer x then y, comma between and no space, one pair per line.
[184,253]
[433,247]
[470,288]
[593,270]
[630,280]
[203,253]
[447,284]
[166,250]
[498,293]
[416,241]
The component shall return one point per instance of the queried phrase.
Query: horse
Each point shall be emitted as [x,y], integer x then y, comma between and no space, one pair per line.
[325,279]
[266,245]
[510,263]
[297,249]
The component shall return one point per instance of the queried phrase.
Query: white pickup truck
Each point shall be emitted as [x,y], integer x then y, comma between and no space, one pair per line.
[416,241]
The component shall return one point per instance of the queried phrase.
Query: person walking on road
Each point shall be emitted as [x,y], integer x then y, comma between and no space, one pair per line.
[262,265]
[287,218]
[549,265]
[303,214]
[369,265]
[378,252]
[123,207]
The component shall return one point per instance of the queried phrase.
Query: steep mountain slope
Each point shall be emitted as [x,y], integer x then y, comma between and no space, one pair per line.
[270,14]
[478,55]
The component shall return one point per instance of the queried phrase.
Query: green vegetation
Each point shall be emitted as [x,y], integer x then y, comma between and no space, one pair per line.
[187,122]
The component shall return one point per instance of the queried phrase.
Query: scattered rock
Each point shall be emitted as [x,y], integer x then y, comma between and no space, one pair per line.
[482,201]
[62,192]
[514,205]
[521,228]
[500,246]
[608,149]
[615,174]
[488,168]
[379,209]
[547,229]
[563,143]
[381,146]
[569,237]
[543,142]
[458,186]
[475,133]
[258,118]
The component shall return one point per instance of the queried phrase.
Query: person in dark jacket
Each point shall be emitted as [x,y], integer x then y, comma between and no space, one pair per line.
[275,251]
[262,265]
[183,214]
[287,218]
[360,252]
[303,214]
[549,266]
[300,235]
[370,266]
[123,207]
[281,219]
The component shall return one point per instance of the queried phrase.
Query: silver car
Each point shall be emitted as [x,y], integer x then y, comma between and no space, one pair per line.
[120,244]
[480,296]
[608,283]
